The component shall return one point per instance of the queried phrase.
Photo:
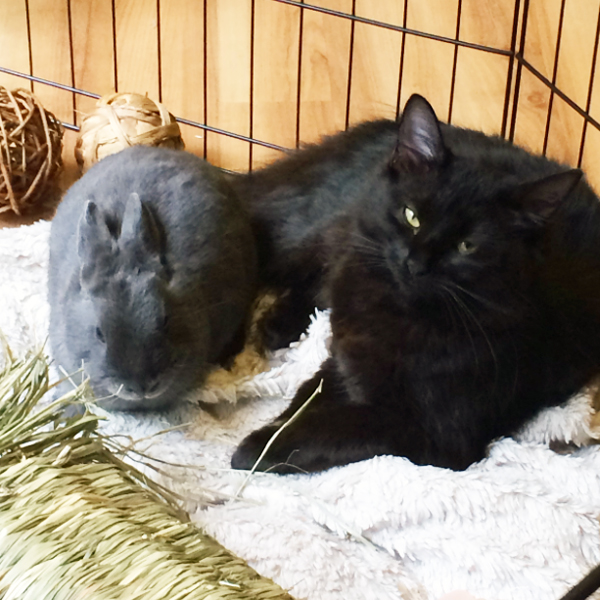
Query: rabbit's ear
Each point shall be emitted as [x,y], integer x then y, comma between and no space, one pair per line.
[138,228]
[95,243]
[92,233]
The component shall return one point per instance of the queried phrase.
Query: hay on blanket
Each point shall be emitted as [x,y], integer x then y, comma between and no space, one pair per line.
[77,522]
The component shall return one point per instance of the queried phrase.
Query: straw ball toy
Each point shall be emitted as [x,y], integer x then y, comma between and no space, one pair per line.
[30,150]
[123,120]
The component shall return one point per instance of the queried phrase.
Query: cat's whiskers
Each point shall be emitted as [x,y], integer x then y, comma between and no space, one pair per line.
[449,306]
[483,301]
[365,241]
[367,256]
[372,262]
[366,251]
[469,313]
[461,312]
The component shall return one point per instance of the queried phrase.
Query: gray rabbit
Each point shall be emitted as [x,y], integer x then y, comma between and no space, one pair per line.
[152,276]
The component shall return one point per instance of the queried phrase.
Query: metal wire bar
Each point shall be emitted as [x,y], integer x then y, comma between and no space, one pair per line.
[554,73]
[555,90]
[416,32]
[517,62]
[588,102]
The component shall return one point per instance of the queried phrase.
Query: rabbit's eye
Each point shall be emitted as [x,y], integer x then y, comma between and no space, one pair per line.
[100,335]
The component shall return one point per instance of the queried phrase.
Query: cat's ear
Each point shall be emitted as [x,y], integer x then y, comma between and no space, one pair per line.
[420,146]
[538,200]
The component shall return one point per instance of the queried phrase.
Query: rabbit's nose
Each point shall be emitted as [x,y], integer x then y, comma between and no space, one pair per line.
[127,391]
[153,386]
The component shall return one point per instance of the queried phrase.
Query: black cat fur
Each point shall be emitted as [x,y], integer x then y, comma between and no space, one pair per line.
[463,274]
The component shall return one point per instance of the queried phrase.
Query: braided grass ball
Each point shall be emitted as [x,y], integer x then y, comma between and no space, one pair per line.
[30,150]
[122,120]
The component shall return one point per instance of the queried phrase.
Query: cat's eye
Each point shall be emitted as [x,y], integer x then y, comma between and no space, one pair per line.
[466,247]
[411,217]
[100,335]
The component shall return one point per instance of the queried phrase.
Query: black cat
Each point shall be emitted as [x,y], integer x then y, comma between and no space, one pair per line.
[463,275]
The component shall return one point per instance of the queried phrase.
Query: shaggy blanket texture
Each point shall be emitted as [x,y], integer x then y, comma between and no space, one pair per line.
[521,524]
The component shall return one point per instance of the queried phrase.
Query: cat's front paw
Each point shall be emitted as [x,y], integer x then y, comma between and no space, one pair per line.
[277,459]
[280,330]
[286,320]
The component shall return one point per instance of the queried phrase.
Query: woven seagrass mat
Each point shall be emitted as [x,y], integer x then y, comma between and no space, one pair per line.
[76,522]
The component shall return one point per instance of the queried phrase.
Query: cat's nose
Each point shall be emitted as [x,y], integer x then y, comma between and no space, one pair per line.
[415,266]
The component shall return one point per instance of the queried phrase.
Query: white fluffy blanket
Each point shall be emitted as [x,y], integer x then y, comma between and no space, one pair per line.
[522,524]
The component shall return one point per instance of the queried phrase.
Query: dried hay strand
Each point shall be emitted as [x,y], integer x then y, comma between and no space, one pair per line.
[122,120]
[30,150]
[77,522]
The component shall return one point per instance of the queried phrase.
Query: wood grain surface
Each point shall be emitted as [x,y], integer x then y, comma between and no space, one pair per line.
[284,75]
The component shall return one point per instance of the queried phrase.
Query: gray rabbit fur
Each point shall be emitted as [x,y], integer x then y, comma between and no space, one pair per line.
[152,276]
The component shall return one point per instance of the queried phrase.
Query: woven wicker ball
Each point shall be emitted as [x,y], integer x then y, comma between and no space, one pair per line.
[123,120]
[30,150]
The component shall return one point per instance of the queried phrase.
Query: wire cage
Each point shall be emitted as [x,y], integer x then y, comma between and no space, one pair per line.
[248,78]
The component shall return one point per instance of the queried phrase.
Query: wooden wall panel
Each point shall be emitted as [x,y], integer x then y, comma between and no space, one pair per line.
[51,54]
[376,62]
[482,78]
[479,101]
[595,95]
[433,16]
[427,67]
[532,113]
[591,150]
[487,22]
[564,134]
[324,71]
[137,47]
[14,47]
[541,35]
[182,66]
[283,75]
[93,51]
[591,157]
[577,48]
[228,80]
[275,78]
[434,58]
